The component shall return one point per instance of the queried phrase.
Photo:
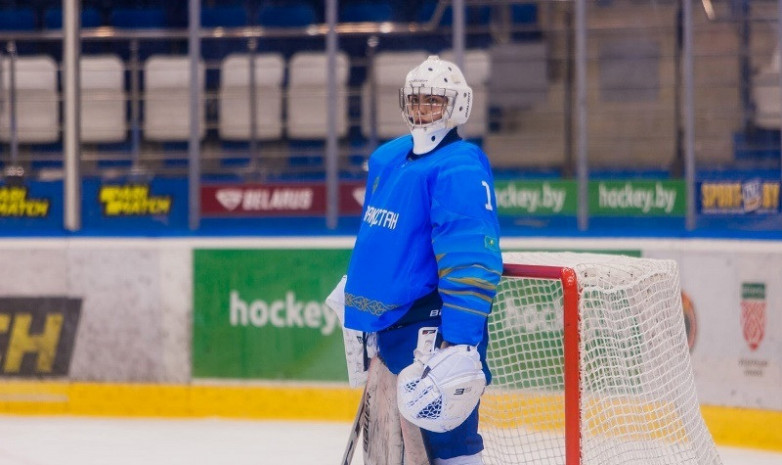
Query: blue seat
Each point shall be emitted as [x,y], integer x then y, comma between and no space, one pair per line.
[48,156]
[219,48]
[140,18]
[224,16]
[475,16]
[306,158]
[365,12]
[526,14]
[20,19]
[405,11]
[292,14]
[90,17]
[289,15]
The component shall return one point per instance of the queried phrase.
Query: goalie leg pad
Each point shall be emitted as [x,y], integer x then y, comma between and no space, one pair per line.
[388,438]
[383,442]
[415,450]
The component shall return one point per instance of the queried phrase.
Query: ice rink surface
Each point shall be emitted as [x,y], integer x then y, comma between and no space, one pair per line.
[108,441]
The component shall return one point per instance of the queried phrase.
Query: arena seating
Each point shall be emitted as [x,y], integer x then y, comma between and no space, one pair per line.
[139,18]
[37,106]
[365,12]
[477,71]
[18,19]
[307,106]
[234,102]
[90,17]
[765,93]
[103,104]
[167,97]
[290,76]
[223,16]
[288,15]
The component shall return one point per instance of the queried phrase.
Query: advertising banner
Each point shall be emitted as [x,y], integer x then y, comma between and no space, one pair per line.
[637,198]
[142,205]
[34,205]
[277,199]
[135,310]
[732,312]
[535,197]
[738,197]
[261,314]
[606,198]
[37,335]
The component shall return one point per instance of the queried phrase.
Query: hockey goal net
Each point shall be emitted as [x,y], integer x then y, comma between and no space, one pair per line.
[590,365]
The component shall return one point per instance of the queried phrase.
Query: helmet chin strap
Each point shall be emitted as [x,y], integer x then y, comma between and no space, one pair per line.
[426,139]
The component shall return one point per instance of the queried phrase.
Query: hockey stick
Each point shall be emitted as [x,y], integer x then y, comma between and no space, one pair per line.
[358,424]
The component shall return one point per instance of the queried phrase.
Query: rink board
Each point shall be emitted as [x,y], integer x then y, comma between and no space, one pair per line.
[132,353]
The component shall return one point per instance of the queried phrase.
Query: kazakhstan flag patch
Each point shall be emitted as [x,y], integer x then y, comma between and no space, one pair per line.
[490,243]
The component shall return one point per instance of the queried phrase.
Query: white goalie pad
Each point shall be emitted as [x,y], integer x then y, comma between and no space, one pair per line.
[388,438]
[439,395]
[360,347]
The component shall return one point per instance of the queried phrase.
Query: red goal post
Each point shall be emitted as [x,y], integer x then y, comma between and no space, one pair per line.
[590,365]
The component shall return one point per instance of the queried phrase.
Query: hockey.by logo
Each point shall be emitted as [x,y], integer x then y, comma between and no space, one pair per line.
[544,197]
[637,197]
[284,313]
[753,313]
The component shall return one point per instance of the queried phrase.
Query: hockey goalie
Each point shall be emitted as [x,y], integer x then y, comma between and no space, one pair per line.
[421,280]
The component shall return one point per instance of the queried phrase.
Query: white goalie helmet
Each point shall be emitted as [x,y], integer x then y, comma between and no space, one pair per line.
[434,99]
[441,394]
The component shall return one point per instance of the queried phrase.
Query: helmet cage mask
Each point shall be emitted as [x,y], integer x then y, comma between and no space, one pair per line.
[420,113]
[434,77]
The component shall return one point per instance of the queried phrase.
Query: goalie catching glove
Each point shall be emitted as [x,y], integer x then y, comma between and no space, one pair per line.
[440,393]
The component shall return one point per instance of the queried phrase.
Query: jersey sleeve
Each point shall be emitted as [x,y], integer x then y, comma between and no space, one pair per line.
[465,240]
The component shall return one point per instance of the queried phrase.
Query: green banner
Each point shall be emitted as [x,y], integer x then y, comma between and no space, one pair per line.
[260,314]
[535,197]
[637,198]
[753,291]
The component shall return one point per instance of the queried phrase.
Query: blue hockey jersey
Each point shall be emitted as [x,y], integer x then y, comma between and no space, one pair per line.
[428,223]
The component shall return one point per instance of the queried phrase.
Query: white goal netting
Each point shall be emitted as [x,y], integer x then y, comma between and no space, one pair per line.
[636,390]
